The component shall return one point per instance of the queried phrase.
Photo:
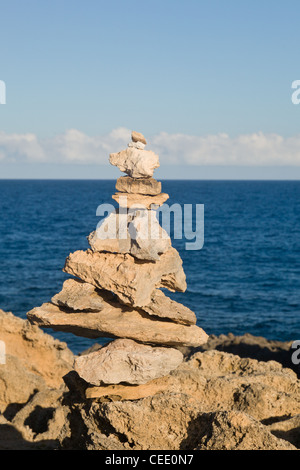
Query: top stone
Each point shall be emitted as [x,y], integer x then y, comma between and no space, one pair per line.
[138,137]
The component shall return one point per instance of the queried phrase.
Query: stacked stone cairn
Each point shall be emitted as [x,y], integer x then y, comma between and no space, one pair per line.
[115,291]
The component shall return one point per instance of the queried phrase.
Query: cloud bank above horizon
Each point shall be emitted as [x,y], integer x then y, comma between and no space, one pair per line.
[76,147]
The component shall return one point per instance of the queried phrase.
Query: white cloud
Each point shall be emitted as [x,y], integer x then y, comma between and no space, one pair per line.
[221,149]
[14,147]
[76,147]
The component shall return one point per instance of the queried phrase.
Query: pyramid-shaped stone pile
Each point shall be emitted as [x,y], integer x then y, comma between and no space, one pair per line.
[115,292]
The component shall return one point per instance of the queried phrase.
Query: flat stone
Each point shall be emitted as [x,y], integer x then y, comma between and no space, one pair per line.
[140,201]
[164,307]
[78,295]
[137,233]
[146,186]
[117,321]
[138,137]
[132,280]
[125,361]
[136,163]
[127,392]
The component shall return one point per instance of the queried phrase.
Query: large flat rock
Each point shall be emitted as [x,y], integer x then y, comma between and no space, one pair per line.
[126,361]
[117,321]
[135,162]
[132,280]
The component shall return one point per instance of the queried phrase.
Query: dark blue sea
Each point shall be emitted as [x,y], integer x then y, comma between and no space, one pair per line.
[246,278]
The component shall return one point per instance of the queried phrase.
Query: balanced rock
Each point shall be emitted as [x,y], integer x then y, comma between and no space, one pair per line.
[137,145]
[125,361]
[146,186]
[122,392]
[137,233]
[138,137]
[164,307]
[135,162]
[112,234]
[149,239]
[117,321]
[130,279]
[140,201]
[78,295]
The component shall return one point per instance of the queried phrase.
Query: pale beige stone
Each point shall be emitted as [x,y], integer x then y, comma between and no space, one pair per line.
[126,361]
[148,239]
[112,234]
[127,392]
[78,295]
[137,145]
[140,201]
[135,162]
[164,307]
[138,137]
[137,233]
[146,186]
[132,280]
[117,321]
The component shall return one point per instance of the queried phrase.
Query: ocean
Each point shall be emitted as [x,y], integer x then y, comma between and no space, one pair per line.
[245,279]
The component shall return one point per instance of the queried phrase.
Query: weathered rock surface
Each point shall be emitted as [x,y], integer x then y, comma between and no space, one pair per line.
[47,363]
[126,392]
[213,400]
[175,421]
[124,360]
[145,186]
[35,364]
[138,234]
[117,321]
[255,347]
[131,280]
[135,162]
[140,201]
[148,239]
[164,307]
[78,295]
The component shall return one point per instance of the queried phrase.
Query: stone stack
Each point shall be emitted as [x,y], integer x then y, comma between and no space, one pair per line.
[116,289]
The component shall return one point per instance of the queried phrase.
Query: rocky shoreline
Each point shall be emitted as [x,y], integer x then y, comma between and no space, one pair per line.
[234,392]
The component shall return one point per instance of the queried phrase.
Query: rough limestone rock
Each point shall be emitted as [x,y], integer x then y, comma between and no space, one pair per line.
[175,421]
[138,137]
[148,239]
[288,429]
[138,234]
[135,162]
[131,280]
[164,307]
[144,186]
[124,360]
[38,353]
[112,234]
[78,295]
[117,321]
[140,201]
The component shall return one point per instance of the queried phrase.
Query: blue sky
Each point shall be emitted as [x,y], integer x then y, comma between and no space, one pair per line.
[207,82]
